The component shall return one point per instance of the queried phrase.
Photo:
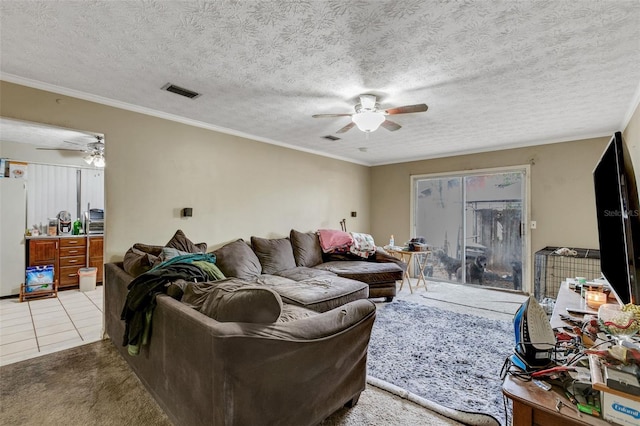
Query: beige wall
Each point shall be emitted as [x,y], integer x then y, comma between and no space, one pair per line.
[236,187]
[631,136]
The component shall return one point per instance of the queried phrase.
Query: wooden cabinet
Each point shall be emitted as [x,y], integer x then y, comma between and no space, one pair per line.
[67,255]
[73,256]
[43,252]
[96,249]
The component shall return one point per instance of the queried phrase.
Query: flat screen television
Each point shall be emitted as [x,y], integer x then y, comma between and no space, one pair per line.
[618,213]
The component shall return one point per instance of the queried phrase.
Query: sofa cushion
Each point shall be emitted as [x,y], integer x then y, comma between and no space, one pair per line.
[306,248]
[239,302]
[320,294]
[274,254]
[179,241]
[169,253]
[368,272]
[141,258]
[300,273]
[236,259]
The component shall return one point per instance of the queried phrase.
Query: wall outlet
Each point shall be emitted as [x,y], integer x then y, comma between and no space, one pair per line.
[534,225]
[354,214]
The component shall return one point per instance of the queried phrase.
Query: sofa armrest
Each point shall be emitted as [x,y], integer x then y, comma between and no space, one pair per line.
[382,256]
[318,363]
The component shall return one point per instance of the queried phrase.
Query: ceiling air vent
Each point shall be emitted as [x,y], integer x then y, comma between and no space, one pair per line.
[180,91]
[331,138]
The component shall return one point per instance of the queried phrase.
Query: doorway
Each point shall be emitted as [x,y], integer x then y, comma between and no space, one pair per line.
[475,223]
[57,178]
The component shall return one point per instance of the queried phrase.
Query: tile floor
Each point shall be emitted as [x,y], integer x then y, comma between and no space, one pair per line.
[38,327]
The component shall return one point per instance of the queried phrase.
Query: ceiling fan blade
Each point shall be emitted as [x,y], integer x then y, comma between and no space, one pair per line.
[346,128]
[407,109]
[61,149]
[330,115]
[75,143]
[390,125]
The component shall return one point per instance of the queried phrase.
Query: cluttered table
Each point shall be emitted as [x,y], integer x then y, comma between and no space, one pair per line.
[537,403]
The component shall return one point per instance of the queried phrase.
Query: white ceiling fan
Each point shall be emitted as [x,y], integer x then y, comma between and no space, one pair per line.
[94,151]
[368,116]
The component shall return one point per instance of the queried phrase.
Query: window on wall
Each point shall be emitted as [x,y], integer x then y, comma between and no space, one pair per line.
[52,189]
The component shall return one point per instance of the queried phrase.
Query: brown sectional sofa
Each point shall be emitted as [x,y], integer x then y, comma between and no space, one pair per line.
[297,370]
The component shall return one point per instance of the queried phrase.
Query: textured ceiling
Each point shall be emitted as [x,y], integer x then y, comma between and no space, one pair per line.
[495,74]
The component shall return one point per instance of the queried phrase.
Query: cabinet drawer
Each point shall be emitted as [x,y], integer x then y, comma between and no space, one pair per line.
[77,261]
[69,276]
[73,242]
[73,251]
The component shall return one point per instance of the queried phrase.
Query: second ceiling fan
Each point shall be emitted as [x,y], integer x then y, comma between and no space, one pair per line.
[368,116]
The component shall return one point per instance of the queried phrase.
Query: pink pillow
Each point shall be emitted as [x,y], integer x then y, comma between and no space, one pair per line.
[332,240]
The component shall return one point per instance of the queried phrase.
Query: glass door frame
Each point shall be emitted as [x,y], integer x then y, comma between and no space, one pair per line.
[525,227]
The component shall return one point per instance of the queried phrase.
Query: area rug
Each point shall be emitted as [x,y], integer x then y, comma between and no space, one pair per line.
[447,359]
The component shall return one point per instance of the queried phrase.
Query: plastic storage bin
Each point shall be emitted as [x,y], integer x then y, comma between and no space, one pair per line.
[87,278]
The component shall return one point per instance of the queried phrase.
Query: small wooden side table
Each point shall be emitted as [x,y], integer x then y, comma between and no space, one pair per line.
[409,257]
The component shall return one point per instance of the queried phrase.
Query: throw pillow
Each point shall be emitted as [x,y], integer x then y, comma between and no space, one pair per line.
[243,303]
[180,242]
[236,259]
[306,248]
[275,254]
[140,258]
[170,253]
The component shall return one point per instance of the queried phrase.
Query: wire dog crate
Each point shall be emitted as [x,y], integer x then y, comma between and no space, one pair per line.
[551,269]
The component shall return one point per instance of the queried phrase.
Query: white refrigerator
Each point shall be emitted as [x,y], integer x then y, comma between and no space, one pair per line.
[13,218]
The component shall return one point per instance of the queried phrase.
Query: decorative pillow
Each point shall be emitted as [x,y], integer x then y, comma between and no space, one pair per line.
[274,254]
[236,259]
[306,248]
[140,258]
[332,240]
[243,303]
[180,242]
[170,253]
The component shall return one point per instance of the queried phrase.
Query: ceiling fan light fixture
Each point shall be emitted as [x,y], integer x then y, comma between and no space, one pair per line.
[88,159]
[368,121]
[98,161]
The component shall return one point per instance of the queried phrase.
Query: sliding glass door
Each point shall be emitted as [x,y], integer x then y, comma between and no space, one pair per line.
[475,225]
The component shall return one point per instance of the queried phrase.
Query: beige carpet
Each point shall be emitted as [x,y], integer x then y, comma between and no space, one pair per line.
[93,385]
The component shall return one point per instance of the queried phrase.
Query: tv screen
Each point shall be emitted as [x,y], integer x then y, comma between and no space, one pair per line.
[618,213]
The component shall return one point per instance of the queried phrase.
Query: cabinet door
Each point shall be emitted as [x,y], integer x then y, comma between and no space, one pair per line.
[43,252]
[96,248]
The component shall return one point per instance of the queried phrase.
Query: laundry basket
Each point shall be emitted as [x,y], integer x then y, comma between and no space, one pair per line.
[87,278]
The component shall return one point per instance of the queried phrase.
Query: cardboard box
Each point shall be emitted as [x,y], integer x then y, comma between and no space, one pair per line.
[616,406]
[17,170]
[620,410]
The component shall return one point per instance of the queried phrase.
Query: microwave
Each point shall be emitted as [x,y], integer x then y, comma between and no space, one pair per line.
[94,221]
